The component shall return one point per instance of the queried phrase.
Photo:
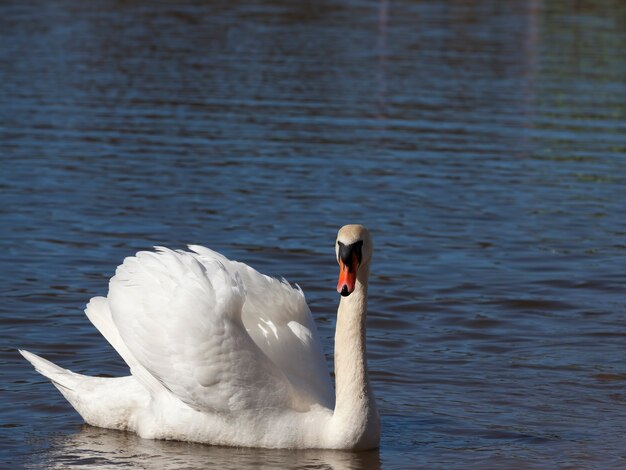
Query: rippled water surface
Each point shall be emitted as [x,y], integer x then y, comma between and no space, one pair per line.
[482,142]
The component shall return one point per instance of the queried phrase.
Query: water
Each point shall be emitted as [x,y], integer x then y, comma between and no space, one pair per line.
[483,143]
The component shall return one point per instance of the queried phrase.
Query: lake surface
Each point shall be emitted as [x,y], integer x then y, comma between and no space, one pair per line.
[482,142]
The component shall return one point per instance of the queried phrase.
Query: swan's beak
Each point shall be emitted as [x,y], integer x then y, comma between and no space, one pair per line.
[348,266]
[347,279]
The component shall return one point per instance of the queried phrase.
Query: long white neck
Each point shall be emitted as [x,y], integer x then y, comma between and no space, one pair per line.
[356,420]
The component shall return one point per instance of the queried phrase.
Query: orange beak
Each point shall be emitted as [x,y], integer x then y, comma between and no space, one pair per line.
[347,276]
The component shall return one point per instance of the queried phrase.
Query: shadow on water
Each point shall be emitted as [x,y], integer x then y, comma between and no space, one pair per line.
[102,448]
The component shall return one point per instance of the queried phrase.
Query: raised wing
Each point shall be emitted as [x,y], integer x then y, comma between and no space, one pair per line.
[181,319]
[279,321]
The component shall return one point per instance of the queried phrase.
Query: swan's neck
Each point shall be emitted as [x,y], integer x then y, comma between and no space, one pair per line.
[355,416]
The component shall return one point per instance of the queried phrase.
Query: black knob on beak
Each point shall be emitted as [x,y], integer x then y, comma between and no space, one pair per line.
[346,252]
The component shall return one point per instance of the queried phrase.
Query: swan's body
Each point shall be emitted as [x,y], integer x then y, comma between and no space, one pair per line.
[222,354]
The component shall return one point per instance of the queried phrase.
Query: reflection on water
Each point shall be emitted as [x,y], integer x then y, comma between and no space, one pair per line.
[104,448]
[482,142]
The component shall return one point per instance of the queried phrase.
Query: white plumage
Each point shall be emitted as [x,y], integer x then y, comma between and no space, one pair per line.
[218,353]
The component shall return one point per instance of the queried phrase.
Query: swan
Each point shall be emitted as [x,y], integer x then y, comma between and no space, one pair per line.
[224,355]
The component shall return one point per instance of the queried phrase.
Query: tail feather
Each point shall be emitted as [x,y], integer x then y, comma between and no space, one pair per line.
[58,376]
[105,402]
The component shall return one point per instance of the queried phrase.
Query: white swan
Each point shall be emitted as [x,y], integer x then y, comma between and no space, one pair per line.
[224,355]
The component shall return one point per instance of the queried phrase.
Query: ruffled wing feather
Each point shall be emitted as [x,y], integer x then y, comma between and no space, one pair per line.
[216,333]
[181,320]
[279,321]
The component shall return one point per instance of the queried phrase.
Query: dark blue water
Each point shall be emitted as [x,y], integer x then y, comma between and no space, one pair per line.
[483,143]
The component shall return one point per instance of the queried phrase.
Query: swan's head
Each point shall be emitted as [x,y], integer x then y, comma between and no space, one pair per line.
[353,250]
